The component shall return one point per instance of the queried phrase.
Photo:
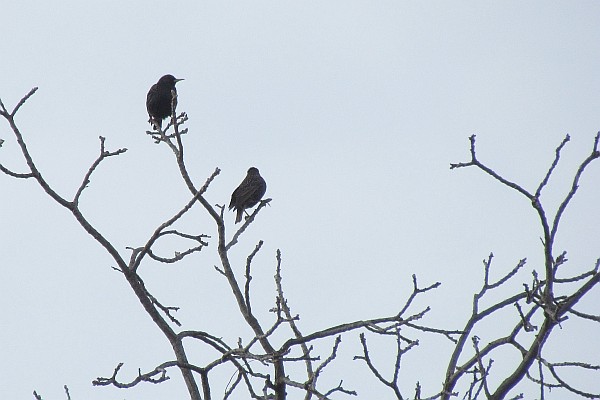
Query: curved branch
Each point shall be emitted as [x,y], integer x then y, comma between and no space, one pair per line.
[103,154]
[575,185]
[489,171]
[157,375]
[131,276]
[551,169]
[139,255]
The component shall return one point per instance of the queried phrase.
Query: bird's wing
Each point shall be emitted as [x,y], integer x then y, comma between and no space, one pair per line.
[151,99]
[244,192]
[233,201]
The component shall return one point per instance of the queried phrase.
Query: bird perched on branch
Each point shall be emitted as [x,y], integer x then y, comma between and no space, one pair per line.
[249,193]
[159,98]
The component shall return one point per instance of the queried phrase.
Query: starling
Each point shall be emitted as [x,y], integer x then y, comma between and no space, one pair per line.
[158,100]
[250,191]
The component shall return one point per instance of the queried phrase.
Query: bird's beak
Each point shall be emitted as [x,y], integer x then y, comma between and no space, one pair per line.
[177,80]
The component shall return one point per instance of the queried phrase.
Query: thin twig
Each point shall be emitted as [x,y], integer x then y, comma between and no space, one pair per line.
[249,276]
[551,169]
[103,154]
[246,224]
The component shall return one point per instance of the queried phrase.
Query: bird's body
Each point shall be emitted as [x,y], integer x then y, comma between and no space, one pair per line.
[248,193]
[159,99]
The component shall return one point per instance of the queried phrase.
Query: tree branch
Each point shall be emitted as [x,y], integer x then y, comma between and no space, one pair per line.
[103,154]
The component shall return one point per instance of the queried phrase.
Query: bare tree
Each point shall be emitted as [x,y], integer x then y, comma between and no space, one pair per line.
[550,297]
[263,365]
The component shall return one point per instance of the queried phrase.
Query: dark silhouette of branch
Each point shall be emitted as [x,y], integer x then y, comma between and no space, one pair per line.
[595,318]
[483,371]
[15,174]
[393,383]
[328,360]
[247,223]
[148,302]
[544,182]
[67,392]
[475,162]
[157,375]
[10,115]
[321,396]
[248,276]
[541,292]
[103,154]
[259,361]
[282,306]
[140,253]
[454,373]
[575,185]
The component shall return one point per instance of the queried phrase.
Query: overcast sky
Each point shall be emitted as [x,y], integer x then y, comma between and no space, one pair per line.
[351,110]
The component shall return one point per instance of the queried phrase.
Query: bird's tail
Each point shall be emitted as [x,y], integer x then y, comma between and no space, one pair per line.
[156,123]
[240,212]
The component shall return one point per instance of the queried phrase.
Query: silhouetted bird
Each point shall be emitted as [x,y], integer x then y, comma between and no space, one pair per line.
[158,100]
[248,194]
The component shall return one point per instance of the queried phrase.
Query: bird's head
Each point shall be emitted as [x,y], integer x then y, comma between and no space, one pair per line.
[253,171]
[168,80]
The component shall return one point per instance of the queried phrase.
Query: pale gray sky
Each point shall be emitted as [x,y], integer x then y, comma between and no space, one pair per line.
[351,110]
